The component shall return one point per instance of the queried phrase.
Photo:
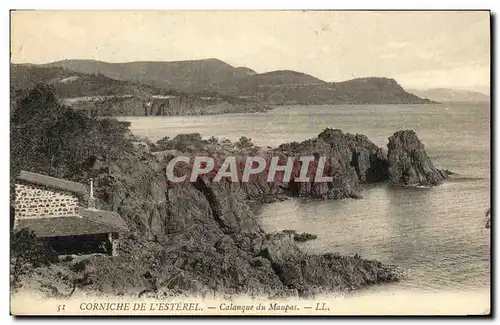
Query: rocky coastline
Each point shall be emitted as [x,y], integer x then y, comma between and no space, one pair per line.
[184,234]
[197,238]
[172,105]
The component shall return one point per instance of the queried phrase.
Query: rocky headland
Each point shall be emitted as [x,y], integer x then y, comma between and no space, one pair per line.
[351,160]
[160,105]
[200,237]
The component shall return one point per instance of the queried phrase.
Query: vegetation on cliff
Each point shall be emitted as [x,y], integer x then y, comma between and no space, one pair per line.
[47,137]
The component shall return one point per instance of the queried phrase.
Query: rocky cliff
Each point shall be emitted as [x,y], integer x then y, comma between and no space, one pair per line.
[351,161]
[172,105]
[409,164]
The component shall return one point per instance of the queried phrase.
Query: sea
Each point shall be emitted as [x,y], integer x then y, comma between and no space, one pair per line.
[437,234]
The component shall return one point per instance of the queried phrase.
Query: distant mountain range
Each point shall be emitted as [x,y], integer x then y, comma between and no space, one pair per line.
[451,95]
[276,88]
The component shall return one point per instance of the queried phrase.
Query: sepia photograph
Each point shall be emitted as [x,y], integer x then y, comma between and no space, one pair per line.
[250,163]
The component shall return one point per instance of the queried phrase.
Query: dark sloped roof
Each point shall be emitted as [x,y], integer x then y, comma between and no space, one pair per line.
[53,182]
[64,226]
[87,222]
[105,217]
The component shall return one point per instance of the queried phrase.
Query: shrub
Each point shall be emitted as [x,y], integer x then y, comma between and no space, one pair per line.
[79,266]
[50,138]
[182,142]
[244,143]
[27,252]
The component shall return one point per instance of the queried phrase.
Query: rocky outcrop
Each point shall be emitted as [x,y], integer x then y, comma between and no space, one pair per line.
[312,274]
[368,159]
[409,164]
[351,160]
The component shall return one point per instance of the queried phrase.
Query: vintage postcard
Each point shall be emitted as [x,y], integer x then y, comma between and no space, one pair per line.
[240,163]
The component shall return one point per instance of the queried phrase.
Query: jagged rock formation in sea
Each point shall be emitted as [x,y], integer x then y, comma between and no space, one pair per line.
[351,160]
[409,164]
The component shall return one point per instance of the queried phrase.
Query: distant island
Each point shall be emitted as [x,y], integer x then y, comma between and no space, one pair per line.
[451,95]
[198,87]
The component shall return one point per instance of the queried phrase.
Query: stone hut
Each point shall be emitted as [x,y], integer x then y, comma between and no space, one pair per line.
[64,214]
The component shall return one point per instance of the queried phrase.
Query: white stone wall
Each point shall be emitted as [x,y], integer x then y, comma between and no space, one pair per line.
[33,201]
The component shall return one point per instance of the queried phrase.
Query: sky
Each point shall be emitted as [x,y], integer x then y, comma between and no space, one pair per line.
[420,49]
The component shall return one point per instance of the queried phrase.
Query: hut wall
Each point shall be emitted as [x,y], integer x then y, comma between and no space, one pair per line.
[35,201]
